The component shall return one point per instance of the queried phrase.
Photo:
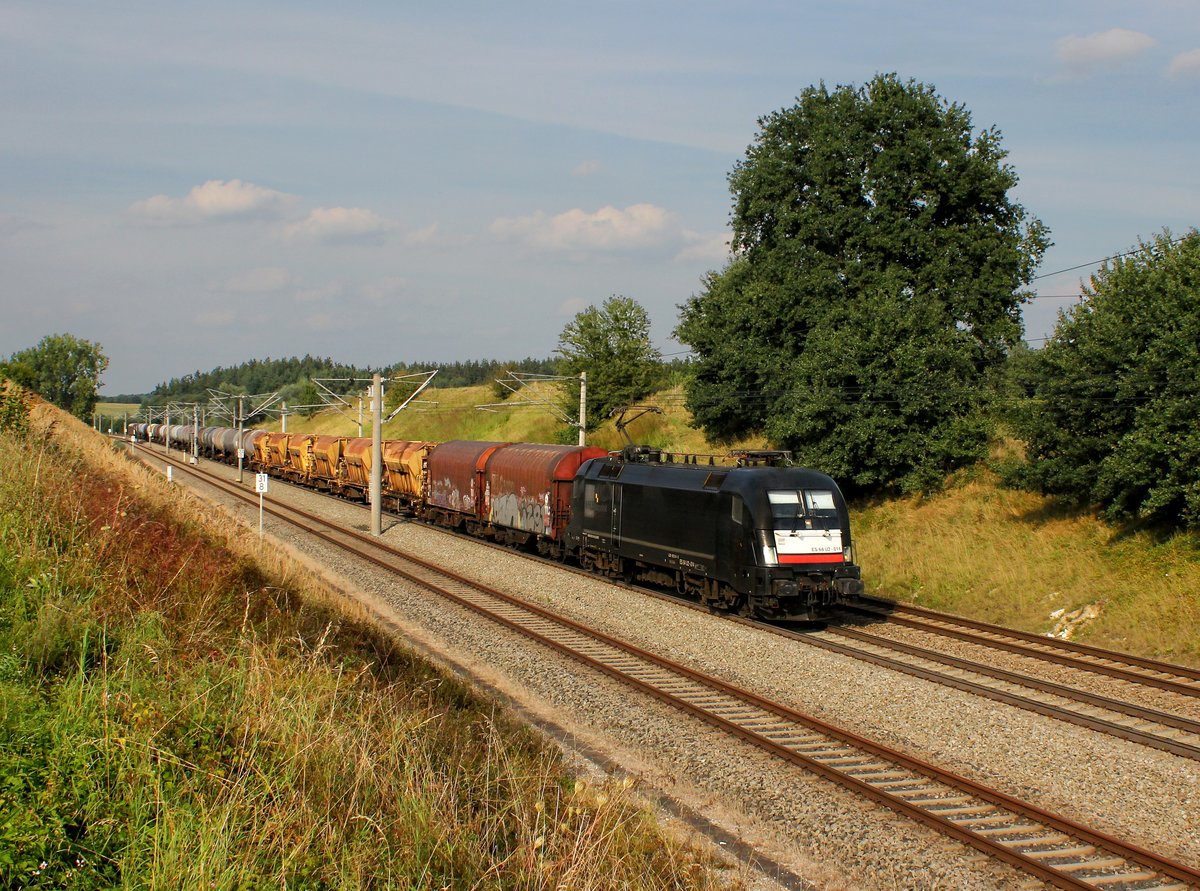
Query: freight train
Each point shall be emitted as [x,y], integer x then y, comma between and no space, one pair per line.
[758,537]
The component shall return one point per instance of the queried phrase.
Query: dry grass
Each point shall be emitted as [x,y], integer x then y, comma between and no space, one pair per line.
[1016,558]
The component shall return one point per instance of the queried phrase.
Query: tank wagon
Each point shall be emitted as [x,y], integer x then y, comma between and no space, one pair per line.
[762,538]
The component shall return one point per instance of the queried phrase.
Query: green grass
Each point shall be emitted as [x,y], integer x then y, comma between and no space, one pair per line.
[116,410]
[175,713]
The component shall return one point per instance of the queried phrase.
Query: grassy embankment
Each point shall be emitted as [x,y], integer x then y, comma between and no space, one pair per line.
[115,413]
[177,712]
[1019,559]
[456,416]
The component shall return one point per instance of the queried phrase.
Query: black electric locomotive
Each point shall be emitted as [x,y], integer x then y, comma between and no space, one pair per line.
[762,538]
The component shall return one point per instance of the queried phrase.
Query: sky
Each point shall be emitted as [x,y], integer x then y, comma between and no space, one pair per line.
[196,185]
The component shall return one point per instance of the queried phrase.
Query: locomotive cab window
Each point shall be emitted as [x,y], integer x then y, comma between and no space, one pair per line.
[793,509]
[819,503]
[787,510]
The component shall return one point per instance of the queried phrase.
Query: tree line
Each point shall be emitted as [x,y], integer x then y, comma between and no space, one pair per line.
[868,320]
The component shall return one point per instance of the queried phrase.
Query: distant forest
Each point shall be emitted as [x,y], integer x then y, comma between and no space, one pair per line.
[293,378]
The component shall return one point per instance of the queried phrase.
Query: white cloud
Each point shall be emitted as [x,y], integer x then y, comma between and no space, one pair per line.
[261,280]
[1082,55]
[12,225]
[214,201]
[340,225]
[433,236]
[572,307]
[385,291]
[586,168]
[1186,64]
[637,226]
[705,247]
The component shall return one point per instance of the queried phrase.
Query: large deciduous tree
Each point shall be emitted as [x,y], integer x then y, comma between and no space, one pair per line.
[876,280]
[1114,419]
[612,344]
[62,369]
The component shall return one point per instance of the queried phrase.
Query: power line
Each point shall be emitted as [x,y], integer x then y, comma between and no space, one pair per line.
[1106,259]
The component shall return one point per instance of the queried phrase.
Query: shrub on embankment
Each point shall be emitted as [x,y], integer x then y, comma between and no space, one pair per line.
[175,714]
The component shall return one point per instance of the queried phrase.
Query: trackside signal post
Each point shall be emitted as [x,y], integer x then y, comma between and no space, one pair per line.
[260,486]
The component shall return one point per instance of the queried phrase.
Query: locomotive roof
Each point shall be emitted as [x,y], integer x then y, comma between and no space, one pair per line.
[711,477]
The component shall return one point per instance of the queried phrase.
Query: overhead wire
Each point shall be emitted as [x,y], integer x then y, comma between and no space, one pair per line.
[1105,260]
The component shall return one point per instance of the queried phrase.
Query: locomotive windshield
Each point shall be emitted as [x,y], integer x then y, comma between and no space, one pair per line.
[791,508]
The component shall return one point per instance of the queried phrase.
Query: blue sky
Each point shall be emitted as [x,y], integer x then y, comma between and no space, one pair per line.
[196,185]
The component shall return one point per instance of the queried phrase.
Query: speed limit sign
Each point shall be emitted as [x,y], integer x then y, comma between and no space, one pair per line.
[260,483]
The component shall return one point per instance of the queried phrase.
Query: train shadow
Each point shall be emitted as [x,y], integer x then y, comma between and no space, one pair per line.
[844,616]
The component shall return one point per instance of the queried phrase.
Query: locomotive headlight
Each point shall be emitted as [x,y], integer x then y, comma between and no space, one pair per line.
[848,553]
[766,546]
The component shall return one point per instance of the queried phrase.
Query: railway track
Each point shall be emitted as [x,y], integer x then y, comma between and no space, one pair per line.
[1157,729]
[1056,850]
[1177,679]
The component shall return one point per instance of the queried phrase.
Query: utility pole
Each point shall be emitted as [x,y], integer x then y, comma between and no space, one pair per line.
[167,433]
[360,417]
[195,434]
[283,419]
[376,455]
[241,450]
[583,408]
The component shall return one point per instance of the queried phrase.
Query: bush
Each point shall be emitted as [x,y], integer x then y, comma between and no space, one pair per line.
[1111,417]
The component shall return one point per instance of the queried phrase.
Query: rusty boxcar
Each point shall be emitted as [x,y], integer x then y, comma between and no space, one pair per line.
[527,492]
[300,459]
[274,454]
[454,483]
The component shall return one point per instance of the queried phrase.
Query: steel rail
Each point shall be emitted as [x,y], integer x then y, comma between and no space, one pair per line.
[1155,665]
[984,818]
[1179,678]
[1017,700]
